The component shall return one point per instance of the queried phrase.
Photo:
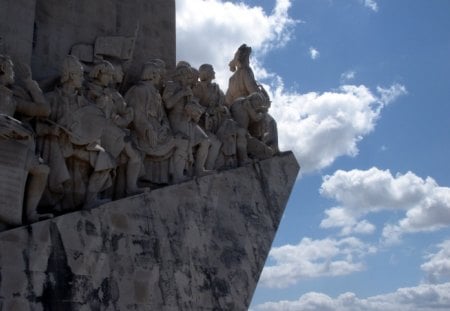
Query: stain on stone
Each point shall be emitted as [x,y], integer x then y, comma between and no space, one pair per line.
[57,291]
[221,287]
[30,295]
[232,256]
[79,226]
[90,228]
[119,221]
[109,292]
[115,239]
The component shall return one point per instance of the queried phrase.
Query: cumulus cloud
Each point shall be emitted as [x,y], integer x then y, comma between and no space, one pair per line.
[371,4]
[314,258]
[437,267]
[426,297]
[425,204]
[314,53]
[318,127]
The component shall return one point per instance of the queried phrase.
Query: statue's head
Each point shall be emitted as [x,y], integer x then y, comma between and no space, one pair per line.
[258,102]
[191,75]
[161,65]
[72,71]
[103,73]
[241,58]
[151,71]
[183,74]
[206,72]
[6,70]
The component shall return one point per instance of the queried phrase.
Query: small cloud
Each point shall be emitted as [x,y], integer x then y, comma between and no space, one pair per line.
[388,95]
[314,53]
[371,4]
[347,76]
[384,148]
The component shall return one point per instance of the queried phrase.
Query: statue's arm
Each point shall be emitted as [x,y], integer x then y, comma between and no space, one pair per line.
[250,81]
[38,106]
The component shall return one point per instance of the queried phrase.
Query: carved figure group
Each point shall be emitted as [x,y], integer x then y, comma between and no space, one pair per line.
[86,141]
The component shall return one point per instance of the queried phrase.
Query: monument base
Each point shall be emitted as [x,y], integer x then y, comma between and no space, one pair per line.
[199,245]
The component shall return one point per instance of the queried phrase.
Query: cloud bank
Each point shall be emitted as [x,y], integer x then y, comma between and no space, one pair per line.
[437,267]
[424,204]
[314,258]
[425,297]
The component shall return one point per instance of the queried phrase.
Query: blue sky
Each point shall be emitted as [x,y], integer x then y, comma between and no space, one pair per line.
[361,94]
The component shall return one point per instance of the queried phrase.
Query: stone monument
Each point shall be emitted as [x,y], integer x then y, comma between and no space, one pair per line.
[124,187]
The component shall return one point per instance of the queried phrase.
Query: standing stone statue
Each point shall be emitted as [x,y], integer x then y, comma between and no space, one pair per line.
[151,129]
[115,137]
[243,83]
[184,113]
[70,143]
[217,120]
[18,161]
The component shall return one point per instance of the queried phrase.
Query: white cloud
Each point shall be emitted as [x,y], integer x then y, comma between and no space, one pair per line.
[347,76]
[314,258]
[318,127]
[426,205]
[388,95]
[437,267]
[371,4]
[426,297]
[211,31]
[314,53]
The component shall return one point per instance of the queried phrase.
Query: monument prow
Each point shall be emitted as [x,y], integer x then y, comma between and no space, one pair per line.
[198,245]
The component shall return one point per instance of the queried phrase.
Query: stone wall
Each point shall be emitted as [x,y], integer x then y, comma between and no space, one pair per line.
[199,245]
[16,28]
[44,31]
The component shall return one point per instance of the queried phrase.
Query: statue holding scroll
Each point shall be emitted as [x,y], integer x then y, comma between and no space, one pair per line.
[71,143]
[18,160]
[116,136]
[151,130]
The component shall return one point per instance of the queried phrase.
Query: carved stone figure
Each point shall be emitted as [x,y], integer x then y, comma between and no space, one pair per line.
[217,121]
[18,161]
[151,129]
[70,144]
[177,97]
[243,83]
[249,112]
[115,137]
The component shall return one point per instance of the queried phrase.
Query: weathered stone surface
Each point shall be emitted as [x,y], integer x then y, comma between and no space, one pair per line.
[61,24]
[44,31]
[199,245]
[16,28]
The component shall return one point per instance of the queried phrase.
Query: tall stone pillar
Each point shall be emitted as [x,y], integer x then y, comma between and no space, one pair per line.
[61,24]
[43,31]
[16,28]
